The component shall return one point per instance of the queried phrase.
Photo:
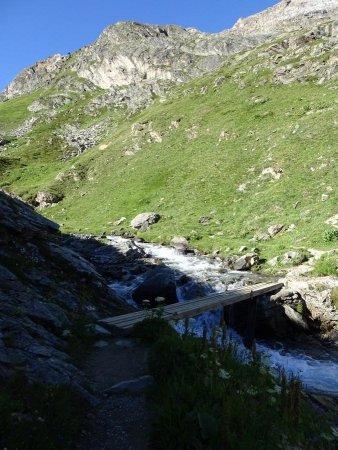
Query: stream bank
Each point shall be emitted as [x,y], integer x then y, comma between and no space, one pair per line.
[315,361]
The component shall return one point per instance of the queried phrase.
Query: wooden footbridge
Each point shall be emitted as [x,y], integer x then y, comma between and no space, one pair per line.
[192,308]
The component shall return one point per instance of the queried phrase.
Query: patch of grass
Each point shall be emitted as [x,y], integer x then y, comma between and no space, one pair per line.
[205,398]
[326,265]
[14,112]
[331,235]
[39,416]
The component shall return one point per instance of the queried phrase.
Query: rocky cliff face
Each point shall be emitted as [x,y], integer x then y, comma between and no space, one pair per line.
[134,54]
[286,16]
[130,53]
[39,75]
[45,286]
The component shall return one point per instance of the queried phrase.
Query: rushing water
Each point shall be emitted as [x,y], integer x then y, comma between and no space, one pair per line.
[318,373]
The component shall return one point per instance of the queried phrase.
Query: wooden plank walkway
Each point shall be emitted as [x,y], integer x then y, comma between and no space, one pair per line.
[192,308]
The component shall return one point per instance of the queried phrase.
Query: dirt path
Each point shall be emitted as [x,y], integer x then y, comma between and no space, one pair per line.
[120,421]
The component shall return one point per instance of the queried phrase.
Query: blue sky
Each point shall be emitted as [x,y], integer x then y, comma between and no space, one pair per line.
[34,29]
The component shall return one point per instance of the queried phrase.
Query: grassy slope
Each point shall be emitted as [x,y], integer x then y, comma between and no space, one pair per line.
[293,128]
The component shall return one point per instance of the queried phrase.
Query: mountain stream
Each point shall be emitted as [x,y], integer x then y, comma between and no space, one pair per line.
[316,367]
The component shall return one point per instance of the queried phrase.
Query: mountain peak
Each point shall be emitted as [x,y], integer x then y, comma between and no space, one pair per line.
[287,15]
[130,53]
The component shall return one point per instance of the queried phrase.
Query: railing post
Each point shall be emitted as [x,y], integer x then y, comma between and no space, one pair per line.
[251,323]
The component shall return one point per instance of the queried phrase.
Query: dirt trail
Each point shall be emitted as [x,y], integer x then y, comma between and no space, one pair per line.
[120,421]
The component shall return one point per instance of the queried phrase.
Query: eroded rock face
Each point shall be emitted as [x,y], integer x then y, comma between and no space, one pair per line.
[44,199]
[44,285]
[41,73]
[287,15]
[131,54]
[316,293]
[78,140]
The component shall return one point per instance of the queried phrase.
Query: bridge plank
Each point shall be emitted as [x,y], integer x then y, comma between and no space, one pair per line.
[187,304]
[191,308]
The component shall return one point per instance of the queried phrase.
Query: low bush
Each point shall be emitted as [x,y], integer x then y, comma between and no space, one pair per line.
[331,235]
[180,357]
[326,265]
[39,416]
[151,329]
[206,399]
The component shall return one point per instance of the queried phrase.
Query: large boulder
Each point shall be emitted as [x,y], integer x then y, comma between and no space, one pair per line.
[160,282]
[144,220]
[180,243]
[275,229]
[246,262]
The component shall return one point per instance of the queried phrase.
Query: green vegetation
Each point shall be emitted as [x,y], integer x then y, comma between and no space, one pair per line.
[39,416]
[205,398]
[331,235]
[14,112]
[151,329]
[248,157]
[326,265]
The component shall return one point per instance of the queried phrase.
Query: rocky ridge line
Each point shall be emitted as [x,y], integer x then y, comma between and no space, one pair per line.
[133,54]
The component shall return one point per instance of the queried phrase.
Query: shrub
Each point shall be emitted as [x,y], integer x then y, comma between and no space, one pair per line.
[152,328]
[326,265]
[207,399]
[175,357]
[331,235]
[39,416]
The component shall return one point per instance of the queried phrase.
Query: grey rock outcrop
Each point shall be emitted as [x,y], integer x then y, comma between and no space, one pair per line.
[78,140]
[144,220]
[287,15]
[44,286]
[134,54]
[294,257]
[114,260]
[275,229]
[32,78]
[45,199]
[277,316]
[246,262]
[316,295]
